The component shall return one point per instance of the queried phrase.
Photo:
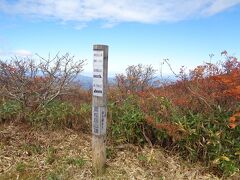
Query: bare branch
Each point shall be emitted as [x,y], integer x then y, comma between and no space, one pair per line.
[36,84]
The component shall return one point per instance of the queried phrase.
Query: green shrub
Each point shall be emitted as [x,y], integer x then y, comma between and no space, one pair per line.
[83,122]
[127,121]
[53,115]
[201,137]
[10,110]
[59,114]
[56,114]
[210,140]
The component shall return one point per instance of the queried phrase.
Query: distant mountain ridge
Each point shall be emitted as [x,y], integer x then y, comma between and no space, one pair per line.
[86,81]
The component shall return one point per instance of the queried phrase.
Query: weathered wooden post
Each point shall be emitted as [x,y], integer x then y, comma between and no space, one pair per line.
[99,107]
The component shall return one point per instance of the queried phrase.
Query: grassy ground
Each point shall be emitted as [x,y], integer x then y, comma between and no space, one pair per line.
[26,153]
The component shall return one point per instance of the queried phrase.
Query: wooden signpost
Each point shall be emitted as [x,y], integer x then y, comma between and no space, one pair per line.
[99,107]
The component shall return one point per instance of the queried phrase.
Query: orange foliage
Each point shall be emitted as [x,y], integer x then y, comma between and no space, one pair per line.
[231,81]
[232,125]
[172,130]
[234,120]
[208,86]
[201,90]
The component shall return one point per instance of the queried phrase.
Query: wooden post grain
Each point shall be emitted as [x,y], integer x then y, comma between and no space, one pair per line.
[99,107]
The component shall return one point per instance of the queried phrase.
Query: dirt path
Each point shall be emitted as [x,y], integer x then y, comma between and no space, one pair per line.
[26,153]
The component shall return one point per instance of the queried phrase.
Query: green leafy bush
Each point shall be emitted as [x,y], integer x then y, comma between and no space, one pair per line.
[59,114]
[83,122]
[56,114]
[53,115]
[127,121]
[10,110]
[211,141]
[195,136]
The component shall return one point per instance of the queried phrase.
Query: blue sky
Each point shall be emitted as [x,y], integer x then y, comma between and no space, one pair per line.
[137,31]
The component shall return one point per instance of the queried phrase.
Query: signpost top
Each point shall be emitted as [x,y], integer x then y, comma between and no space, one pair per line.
[100,47]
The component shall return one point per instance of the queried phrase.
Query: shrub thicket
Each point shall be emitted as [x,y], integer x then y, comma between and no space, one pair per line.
[197,116]
[33,91]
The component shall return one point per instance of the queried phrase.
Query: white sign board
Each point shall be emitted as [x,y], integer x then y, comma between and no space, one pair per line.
[98,73]
[99,115]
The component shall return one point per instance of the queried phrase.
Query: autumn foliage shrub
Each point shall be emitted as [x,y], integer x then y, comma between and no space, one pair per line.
[137,78]
[196,116]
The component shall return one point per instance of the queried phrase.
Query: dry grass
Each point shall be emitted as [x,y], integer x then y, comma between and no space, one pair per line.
[26,153]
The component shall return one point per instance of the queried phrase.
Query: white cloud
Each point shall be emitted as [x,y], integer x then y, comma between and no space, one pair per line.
[220,5]
[21,53]
[116,11]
